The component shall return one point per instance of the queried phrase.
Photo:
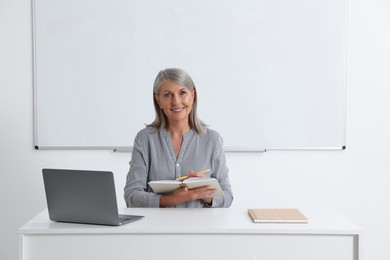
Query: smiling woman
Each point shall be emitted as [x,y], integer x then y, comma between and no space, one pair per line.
[176,103]
[168,81]
[177,143]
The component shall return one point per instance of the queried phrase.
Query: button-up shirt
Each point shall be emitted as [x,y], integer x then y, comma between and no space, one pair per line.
[153,158]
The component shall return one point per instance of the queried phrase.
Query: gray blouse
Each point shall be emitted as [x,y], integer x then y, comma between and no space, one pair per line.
[153,158]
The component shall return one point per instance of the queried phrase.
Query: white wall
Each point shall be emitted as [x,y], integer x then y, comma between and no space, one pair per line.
[355,181]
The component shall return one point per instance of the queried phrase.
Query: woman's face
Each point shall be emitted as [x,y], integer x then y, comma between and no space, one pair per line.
[176,101]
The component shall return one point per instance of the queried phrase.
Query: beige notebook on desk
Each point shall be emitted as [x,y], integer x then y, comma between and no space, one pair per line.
[277,216]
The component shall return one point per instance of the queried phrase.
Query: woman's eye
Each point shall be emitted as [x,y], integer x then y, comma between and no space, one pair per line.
[182,93]
[167,94]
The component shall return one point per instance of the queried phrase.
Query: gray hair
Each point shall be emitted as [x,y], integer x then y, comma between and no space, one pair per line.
[181,77]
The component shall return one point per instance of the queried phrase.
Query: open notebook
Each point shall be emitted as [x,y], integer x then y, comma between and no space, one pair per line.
[167,186]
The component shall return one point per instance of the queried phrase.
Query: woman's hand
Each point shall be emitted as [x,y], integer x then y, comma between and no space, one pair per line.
[192,174]
[207,199]
[184,194]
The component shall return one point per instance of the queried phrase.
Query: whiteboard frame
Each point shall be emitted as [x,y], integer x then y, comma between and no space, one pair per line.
[129,148]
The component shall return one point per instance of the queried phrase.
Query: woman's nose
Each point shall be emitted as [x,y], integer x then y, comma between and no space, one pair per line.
[176,100]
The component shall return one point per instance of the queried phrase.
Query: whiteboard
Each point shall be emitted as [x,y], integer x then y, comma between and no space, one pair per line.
[269,74]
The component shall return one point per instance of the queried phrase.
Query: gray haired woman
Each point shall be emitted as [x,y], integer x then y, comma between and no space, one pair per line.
[175,144]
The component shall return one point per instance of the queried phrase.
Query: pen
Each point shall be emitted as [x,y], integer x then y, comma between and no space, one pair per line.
[186,177]
[182,178]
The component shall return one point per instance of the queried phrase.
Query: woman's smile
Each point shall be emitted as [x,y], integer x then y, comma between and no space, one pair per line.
[177,109]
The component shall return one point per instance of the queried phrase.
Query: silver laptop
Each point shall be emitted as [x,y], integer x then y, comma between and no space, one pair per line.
[80,196]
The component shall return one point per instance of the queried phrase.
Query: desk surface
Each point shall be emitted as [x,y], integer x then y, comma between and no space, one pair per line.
[216,221]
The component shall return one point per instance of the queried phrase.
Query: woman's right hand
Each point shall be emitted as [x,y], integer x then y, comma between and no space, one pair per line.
[184,194]
[192,174]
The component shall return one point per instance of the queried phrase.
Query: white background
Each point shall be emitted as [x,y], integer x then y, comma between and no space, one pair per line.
[355,181]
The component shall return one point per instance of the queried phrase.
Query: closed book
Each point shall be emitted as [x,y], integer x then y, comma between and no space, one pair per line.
[291,215]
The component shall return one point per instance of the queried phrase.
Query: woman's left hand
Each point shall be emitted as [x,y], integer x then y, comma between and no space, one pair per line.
[200,174]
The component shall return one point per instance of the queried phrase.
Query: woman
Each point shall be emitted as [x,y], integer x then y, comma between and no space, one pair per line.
[177,143]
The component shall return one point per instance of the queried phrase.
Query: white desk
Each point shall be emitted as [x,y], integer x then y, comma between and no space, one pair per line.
[193,234]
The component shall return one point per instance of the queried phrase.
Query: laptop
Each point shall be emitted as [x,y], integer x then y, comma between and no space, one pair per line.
[80,196]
